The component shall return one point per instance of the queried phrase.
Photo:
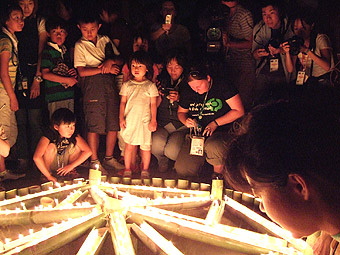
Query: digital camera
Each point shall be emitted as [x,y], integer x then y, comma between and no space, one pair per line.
[295,43]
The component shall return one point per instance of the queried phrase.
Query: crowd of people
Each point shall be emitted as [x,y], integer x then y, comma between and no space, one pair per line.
[146,90]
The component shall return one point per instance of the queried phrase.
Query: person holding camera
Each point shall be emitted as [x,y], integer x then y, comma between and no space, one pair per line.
[268,34]
[170,134]
[312,55]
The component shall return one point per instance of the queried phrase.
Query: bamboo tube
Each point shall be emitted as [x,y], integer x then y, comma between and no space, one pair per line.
[43,216]
[242,240]
[229,193]
[115,179]
[47,202]
[78,180]
[46,186]
[154,241]
[2,195]
[94,177]
[11,193]
[170,183]
[120,234]
[72,198]
[103,178]
[68,182]
[217,189]
[237,196]
[126,180]
[182,184]
[47,240]
[195,186]
[215,212]
[23,192]
[157,182]
[205,187]
[136,182]
[94,242]
[147,182]
[34,189]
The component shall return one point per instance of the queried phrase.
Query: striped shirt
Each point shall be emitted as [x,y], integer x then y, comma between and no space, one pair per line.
[7,45]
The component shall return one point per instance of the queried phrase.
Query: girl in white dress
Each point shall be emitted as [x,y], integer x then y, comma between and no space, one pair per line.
[138,110]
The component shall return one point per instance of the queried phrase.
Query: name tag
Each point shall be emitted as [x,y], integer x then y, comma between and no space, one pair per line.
[300,80]
[274,64]
[197,146]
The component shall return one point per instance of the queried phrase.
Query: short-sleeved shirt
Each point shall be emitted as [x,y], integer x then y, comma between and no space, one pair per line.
[87,54]
[215,104]
[9,43]
[322,43]
[58,61]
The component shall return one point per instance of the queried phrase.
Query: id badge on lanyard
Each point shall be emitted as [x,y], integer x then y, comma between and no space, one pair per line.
[197,146]
[274,65]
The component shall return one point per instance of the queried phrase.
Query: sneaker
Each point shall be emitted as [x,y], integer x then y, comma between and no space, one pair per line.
[112,164]
[7,175]
[95,164]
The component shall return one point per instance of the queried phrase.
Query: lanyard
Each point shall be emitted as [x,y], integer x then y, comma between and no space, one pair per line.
[204,101]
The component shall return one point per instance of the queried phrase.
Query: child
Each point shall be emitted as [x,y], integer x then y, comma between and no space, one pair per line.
[12,21]
[61,150]
[140,42]
[59,78]
[95,58]
[138,112]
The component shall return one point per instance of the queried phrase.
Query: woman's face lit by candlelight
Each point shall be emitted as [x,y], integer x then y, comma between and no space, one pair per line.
[289,206]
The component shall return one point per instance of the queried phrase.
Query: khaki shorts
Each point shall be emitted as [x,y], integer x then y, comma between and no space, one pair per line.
[101,104]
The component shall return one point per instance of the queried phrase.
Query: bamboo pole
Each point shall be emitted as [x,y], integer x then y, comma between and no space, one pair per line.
[215,212]
[43,216]
[49,239]
[120,234]
[94,242]
[242,240]
[154,241]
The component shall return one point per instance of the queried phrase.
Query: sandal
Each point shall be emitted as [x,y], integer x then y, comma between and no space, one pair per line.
[145,174]
[127,173]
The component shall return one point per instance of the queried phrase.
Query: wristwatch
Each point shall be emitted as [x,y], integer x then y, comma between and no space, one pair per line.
[38,78]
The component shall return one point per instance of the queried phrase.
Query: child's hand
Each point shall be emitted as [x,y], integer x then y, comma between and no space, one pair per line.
[115,69]
[35,89]
[64,170]
[153,126]
[105,67]
[73,72]
[122,123]
[71,81]
[14,103]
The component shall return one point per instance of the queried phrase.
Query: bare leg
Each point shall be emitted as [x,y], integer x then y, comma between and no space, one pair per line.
[130,151]
[2,164]
[93,141]
[49,155]
[111,139]
[146,157]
